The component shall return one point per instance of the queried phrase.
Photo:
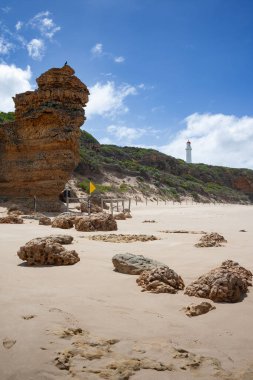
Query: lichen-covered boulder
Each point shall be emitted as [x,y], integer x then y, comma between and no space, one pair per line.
[160,280]
[45,221]
[129,263]
[48,251]
[211,240]
[227,283]
[195,310]
[11,219]
[97,222]
[62,222]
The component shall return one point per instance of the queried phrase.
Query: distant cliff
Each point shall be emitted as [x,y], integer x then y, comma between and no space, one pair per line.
[156,174]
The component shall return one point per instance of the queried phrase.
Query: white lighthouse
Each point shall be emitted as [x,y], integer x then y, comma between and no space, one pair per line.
[188,152]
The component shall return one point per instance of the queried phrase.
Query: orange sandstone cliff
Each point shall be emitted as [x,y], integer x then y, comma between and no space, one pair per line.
[40,149]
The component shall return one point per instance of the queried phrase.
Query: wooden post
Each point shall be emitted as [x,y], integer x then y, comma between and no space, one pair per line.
[35,203]
[67,200]
[89,206]
[129,204]
[123,205]
[117,206]
[111,208]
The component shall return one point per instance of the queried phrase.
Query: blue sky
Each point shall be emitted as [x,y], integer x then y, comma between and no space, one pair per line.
[159,71]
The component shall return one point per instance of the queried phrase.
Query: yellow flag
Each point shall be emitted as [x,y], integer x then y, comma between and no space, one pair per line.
[92,187]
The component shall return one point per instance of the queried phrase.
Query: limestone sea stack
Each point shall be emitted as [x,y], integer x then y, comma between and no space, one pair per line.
[40,149]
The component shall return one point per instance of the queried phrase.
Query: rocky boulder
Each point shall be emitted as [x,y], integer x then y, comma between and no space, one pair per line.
[129,263]
[48,251]
[160,280]
[211,240]
[94,208]
[45,221]
[195,310]
[97,222]
[227,283]
[62,222]
[11,219]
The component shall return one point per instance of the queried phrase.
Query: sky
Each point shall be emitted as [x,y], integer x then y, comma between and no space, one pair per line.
[159,72]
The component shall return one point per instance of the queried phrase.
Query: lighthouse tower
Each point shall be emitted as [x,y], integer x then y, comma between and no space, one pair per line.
[188,152]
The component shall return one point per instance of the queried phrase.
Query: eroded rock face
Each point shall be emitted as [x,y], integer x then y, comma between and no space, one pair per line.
[160,280]
[40,149]
[129,263]
[227,283]
[96,222]
[48,251]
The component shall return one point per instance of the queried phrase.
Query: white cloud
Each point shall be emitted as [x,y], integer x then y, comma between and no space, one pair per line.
[105,140]
[44,23]
[6,9]
[217,139]
[125,133]
[97,49]
[108,100]
[36,49]
[119,59]
[13,80]
[5,46]
[19,25]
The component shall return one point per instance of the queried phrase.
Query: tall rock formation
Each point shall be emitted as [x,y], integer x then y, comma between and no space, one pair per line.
[40,149]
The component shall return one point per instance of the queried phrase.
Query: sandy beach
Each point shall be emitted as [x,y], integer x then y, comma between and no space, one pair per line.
[102,322]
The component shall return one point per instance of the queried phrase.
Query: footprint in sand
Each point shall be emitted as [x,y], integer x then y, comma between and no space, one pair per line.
[8,343]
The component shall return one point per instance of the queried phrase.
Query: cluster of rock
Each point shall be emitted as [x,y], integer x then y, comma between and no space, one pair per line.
[45,134]
[120,238]
[211,240]
[96,222]
[48,251]
[160,280]
[227,283]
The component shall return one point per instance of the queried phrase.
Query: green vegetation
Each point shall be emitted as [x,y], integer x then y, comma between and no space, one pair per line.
[7,117]
[157,173]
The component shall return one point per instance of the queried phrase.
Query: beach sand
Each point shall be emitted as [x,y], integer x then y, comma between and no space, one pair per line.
[97,322]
